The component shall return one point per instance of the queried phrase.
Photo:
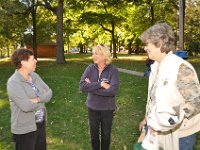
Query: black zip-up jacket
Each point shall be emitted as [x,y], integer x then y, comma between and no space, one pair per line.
[99,98]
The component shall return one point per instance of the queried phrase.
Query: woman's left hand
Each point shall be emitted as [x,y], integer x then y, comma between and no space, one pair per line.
[35,100]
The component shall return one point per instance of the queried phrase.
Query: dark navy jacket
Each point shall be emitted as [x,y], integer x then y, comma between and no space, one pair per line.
[99,98]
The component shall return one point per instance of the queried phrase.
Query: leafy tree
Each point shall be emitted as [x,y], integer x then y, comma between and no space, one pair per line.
[107,15]
[81,33]
[86,22]
[12,23]
[192,24]
[58,11]
[33,11]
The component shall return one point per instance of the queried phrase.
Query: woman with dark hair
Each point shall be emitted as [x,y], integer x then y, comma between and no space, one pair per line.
[27,95]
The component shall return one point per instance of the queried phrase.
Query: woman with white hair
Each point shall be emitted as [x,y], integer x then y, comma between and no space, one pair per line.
[100,80]
[172,111]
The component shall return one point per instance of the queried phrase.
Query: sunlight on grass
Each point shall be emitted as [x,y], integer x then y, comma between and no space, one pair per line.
[46,59]
[132,57]
[4,60]
[79,57]
[3,103]
[3,99]
[194,59]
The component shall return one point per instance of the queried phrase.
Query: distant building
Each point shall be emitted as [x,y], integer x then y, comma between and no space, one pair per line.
[45,50]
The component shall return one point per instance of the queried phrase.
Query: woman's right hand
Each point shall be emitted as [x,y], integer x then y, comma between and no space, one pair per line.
[105,85]
[87,80]
[142,123]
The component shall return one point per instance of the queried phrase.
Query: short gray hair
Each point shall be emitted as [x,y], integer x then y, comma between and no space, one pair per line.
[160,34]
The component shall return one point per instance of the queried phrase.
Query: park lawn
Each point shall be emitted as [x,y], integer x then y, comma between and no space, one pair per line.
[67,126]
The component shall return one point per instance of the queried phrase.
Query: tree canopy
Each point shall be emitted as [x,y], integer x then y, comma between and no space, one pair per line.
[81,23]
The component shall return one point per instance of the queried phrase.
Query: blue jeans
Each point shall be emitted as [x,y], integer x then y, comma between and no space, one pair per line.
[100,124]
[187,143]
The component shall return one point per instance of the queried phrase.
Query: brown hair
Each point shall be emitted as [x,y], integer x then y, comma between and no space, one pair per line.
[20,55]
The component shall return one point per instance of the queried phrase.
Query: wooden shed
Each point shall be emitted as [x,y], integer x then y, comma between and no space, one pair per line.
[45,50]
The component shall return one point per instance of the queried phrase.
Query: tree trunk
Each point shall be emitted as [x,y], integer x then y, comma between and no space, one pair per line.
[129,47]
[80,45]
[1,55]
[181,23]
[118,46]
[84,48]
[152,20]
[34,9]
[152,15]
[8,51]
[114,41]
[60,59]
[111,47]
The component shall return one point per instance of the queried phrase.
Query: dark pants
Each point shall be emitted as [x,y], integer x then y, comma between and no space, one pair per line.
[35,140]
[100,121]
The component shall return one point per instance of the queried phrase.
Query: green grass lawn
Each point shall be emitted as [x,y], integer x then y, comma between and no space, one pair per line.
[67,126]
